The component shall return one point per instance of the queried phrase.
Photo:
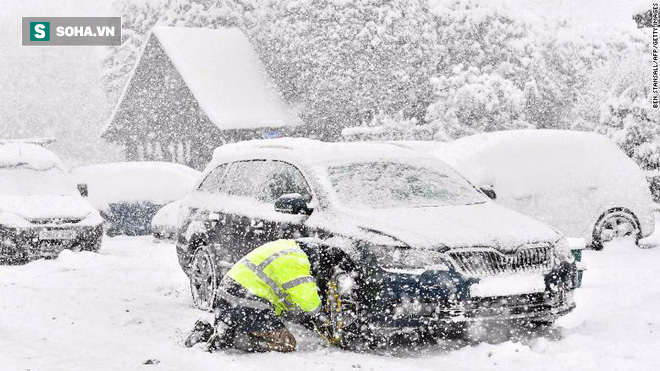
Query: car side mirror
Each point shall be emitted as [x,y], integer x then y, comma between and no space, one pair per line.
[292,203]
[82,189]
[489,191]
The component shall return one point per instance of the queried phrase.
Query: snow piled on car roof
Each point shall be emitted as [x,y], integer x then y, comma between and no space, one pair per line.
[17,153]
[155,182]
[523,161]
[313,151]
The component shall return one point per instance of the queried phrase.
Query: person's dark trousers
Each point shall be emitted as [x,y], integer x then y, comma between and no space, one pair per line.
[247,322]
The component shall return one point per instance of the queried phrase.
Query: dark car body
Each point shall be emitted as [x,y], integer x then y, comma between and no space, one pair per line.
[130,218]
[46,239]
[447,250]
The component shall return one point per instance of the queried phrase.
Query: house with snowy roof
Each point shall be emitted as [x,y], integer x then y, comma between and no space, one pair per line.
[192,90]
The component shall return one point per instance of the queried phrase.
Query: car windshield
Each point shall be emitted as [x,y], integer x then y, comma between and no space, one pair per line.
[390,184]
[24,181]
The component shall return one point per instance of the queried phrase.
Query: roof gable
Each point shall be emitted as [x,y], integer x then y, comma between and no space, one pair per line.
[222,71]
[226,77]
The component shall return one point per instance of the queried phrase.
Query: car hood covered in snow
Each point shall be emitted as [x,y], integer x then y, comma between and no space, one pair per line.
[484,224]
[46,206]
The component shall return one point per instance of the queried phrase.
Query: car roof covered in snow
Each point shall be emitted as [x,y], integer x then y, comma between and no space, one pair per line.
[530,141]
[27,155]
[541,160]
[313,151]
[156,182]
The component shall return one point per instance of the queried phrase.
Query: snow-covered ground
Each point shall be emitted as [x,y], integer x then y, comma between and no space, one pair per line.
[130,303]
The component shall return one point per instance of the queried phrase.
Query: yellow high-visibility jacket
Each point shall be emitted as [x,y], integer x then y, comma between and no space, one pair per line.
[279,272]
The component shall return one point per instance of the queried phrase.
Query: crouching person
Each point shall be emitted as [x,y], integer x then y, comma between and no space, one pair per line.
[272,279]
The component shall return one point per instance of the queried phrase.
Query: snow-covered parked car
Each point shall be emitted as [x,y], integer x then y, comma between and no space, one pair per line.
[128,194]
[405,242]
[42,211]
[581,183]
[165,224]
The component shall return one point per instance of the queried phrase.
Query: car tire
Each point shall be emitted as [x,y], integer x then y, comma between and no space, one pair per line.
[203,279]
[615,224]
[345,329]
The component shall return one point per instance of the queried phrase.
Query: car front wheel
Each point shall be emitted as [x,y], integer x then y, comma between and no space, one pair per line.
[613,226]
[203,279]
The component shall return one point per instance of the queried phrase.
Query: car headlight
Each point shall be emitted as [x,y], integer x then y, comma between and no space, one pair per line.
[13,220]
[413,260]
[563,251]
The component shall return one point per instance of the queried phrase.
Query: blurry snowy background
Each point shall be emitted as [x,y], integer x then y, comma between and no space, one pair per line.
[412,69]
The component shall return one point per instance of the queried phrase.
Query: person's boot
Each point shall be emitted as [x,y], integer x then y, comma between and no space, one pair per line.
[202,332]
[281,340]
[222,338]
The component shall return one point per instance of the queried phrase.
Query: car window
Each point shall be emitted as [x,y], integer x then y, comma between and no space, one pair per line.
[265,181]
[213,181]
[389,184]
[245,178]
[282,178]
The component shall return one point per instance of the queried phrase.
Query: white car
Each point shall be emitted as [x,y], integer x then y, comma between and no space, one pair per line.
[129,194]
[165,224]
[581,183]
[42,211]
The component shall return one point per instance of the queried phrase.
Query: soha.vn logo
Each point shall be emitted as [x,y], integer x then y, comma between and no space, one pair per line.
[39,31]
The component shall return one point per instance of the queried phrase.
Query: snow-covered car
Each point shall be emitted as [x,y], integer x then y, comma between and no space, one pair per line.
[42,211]
[165,224]
[581,183]
[404,241]
[128,194]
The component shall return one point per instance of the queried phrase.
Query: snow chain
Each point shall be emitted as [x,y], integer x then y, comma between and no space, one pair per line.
[333,290]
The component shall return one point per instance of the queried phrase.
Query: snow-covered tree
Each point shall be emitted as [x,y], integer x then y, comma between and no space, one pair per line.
[482,68]
[615,99]
[627,116]
[343,62]
[470,101]
[555,78]
[384,126]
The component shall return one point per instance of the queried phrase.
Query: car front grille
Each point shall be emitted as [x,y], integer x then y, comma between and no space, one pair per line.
[55,220]
[481,262]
